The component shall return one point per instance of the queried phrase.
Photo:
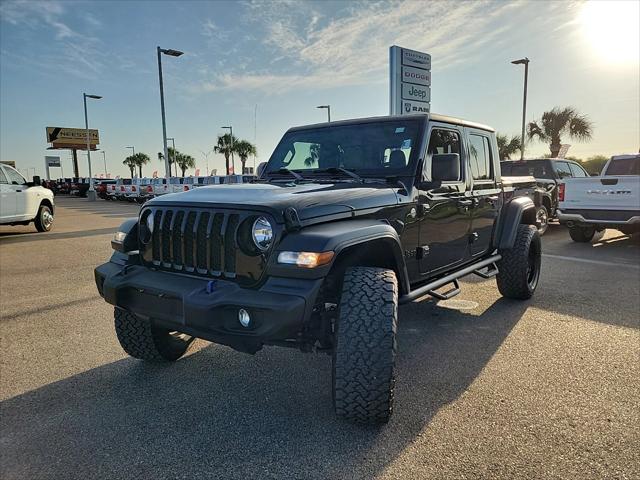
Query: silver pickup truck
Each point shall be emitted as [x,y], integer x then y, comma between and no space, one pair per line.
[590,205]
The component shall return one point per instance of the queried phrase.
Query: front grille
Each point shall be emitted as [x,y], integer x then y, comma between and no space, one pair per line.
[201,241]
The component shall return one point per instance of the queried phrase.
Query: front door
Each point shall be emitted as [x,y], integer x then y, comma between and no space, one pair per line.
[7,198]
[485,194]
[444,211]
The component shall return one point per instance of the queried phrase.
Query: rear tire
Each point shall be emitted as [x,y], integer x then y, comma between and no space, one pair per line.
[44,219]
[365,345]
[519,268]
[542,219]
[585,234]
[141,339]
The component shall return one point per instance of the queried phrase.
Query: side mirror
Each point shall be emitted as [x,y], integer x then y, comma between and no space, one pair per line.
[260,169]
[36,180]
[445,167]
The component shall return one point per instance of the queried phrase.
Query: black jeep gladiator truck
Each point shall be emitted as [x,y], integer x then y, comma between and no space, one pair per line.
[347,220]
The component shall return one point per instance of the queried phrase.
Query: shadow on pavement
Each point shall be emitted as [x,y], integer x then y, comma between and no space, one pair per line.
[8,238]
[222,414]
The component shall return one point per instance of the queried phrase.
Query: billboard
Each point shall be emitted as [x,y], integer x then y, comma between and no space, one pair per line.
[52,161]
[410,81]
[74,138]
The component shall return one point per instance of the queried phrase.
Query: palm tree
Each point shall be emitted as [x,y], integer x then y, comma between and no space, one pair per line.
[184,161]
[226,144]
[131,163]
[244,148]
[507,146]
[558,122]
[172,157]
[139,159]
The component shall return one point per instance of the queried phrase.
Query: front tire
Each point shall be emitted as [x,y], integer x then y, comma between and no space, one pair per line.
[365,345]
[44,219]
[519,268]
[141,339]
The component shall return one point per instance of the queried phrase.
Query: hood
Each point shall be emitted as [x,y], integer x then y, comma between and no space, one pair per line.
[309,199]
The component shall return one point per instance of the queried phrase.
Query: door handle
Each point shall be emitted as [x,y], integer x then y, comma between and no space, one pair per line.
[466,203]
[18,191]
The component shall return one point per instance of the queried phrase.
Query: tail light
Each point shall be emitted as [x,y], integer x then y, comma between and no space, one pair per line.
[133,188]
[561,192]
[149,189]
[122,188]
[186,188]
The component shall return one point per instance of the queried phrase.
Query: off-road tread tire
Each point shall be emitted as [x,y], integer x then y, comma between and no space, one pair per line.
[582,234]
[365,345]
[512,268]
[38,220]
[141,339]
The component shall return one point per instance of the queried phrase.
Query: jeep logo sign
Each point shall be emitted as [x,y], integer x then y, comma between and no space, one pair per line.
[410,81]
[416,92]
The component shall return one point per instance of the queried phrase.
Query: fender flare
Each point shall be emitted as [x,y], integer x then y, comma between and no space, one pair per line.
[520,210]
[339,237]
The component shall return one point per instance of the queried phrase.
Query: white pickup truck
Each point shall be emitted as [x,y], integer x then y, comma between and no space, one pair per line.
[612,200]
[23,202]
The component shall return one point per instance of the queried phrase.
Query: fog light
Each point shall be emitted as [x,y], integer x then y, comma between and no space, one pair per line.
[244,318]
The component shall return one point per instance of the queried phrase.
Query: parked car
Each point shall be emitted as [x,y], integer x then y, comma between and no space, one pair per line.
[23,202]
[588,206]
[138,190]
[103,188]
[318,254]
[549,173]
[159,186]
[123,186]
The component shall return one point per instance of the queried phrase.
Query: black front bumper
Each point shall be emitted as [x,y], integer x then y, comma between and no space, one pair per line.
[209,308]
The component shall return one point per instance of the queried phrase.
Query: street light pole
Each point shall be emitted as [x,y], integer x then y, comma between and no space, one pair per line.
[173,142]
[233,161]
[523,61]
[328,107]
[91,194]
[172,53]
[104,159]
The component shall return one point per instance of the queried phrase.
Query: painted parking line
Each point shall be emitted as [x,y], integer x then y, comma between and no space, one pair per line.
[594,262]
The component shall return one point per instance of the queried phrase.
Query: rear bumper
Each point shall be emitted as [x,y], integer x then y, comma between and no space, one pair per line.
[595,217]
[209,309]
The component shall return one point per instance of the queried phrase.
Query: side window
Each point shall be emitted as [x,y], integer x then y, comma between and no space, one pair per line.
[441,142]
[563,169]
[14,177]
[480,155]
[577,170]
[3,177]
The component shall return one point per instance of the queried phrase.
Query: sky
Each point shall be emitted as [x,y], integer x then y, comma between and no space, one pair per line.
[263,67]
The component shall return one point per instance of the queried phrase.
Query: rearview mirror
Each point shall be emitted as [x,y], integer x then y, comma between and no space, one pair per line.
[445,167]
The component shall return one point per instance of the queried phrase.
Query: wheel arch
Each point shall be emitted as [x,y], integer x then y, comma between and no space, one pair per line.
[520,210]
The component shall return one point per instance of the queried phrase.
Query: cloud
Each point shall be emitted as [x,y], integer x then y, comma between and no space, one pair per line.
[350,46]
[73,52]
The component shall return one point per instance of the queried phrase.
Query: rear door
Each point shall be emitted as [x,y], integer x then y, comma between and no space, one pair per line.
[485,193]
[443,212]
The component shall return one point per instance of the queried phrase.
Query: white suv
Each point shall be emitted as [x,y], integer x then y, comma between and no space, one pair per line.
[23,202]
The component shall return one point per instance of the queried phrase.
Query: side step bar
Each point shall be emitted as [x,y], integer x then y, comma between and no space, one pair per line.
[429,288]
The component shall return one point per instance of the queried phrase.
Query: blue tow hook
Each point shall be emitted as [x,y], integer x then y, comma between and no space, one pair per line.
[211,285]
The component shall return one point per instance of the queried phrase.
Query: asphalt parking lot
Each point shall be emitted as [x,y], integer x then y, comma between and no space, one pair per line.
[487,388]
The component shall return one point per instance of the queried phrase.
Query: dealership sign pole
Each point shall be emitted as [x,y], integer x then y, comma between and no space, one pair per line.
[410,81]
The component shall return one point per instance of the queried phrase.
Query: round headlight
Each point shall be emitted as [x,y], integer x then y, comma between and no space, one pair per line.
[262,233]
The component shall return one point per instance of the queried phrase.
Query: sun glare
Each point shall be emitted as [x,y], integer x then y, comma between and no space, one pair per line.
[612,27]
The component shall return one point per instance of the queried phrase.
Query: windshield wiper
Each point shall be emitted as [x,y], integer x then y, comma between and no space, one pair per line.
[342,170]
[285,170]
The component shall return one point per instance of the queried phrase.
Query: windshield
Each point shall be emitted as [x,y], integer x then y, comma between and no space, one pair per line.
[380,149]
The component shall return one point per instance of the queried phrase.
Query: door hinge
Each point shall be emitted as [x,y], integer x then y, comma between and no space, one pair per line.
[422,252]
[473,237]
